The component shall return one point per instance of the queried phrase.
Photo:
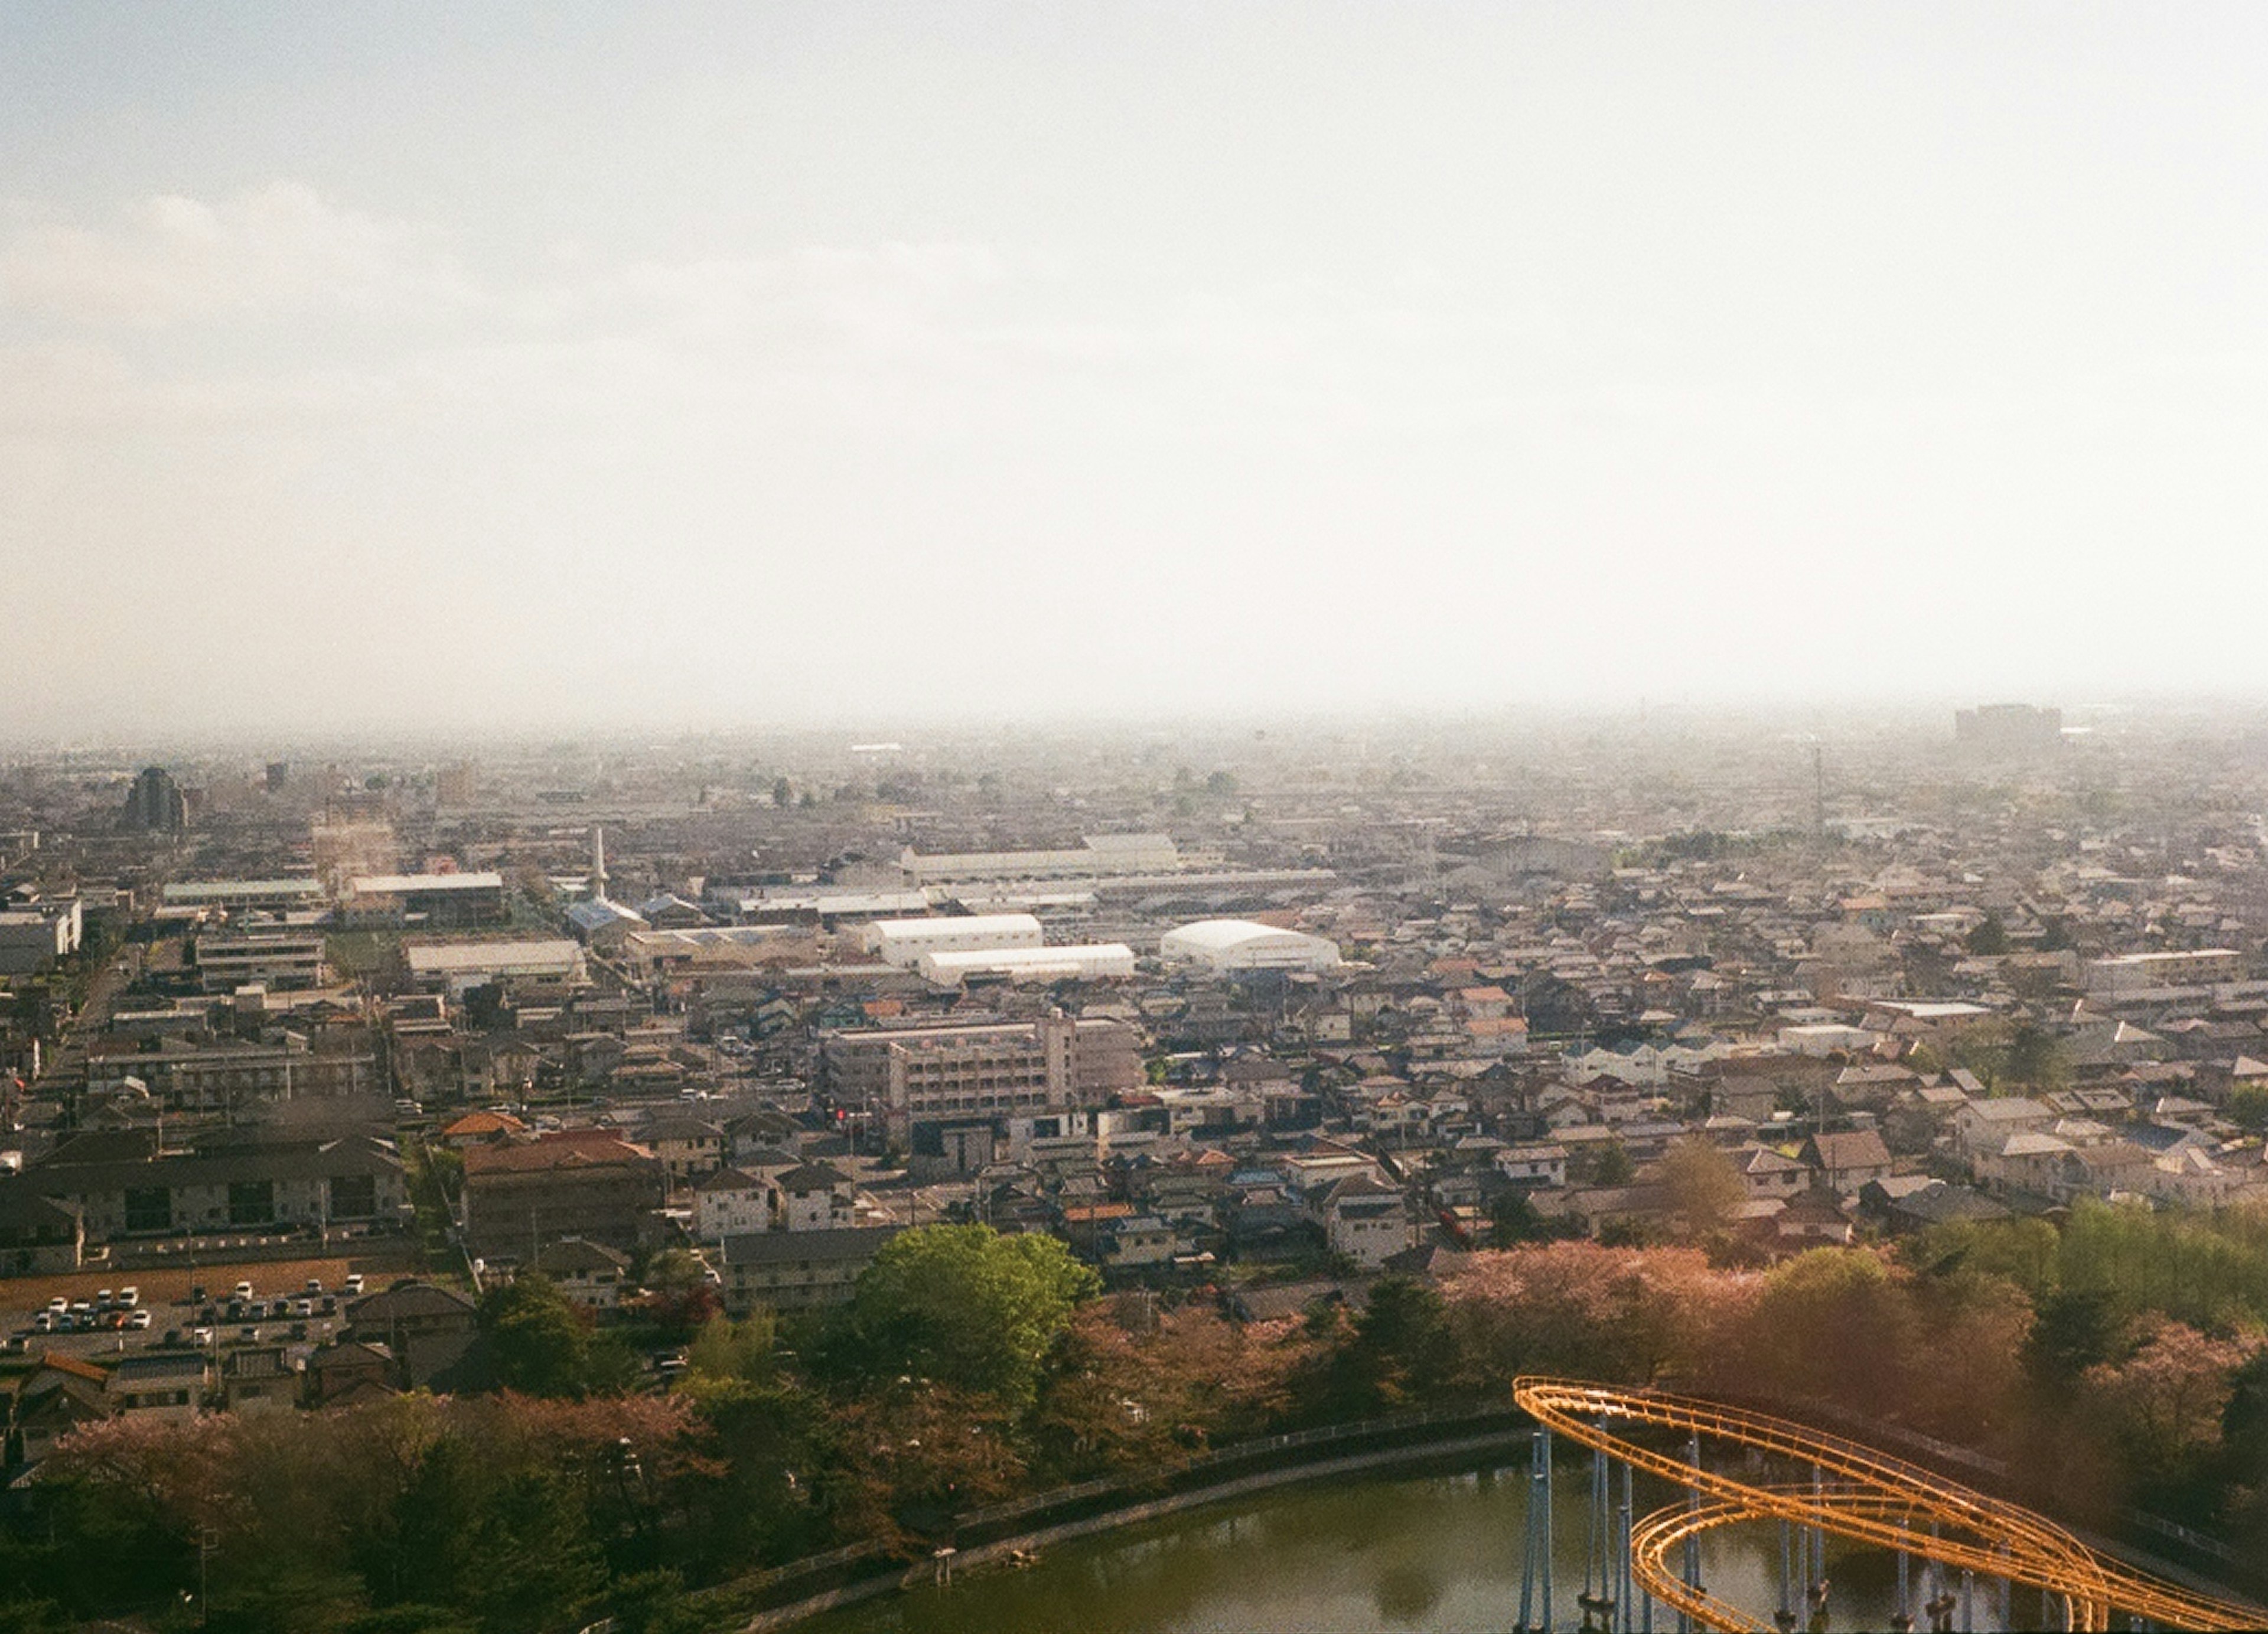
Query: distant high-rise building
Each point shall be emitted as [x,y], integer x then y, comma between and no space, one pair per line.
[453,785]
[2007,728]
[155,804]
[279,776]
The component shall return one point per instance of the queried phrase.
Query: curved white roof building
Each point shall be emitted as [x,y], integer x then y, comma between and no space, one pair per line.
[1227,945]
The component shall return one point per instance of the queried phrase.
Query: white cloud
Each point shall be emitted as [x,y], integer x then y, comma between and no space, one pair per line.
[279,251]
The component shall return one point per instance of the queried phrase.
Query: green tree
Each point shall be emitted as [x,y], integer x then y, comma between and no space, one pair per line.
[961,1304]
[540,1341]
[724,1349]
[783,792]
[1512,1220]
[2035,1058]
[680,1297]
[1400,1352]
[1704,1186]
[2248,1107]
[1607,1164]
[513,1545]
[1990,938]
[2076,1330]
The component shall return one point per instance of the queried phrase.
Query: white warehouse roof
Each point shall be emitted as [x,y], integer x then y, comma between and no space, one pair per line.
[1247,944]
[902,941]
[1031,964]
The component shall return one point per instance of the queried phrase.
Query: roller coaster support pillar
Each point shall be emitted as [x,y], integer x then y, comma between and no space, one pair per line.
[1536,1558]
[1622,1554]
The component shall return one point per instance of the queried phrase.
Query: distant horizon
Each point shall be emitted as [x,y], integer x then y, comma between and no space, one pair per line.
[1923,716]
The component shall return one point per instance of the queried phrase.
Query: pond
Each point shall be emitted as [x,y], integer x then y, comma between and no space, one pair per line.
[1433,1554]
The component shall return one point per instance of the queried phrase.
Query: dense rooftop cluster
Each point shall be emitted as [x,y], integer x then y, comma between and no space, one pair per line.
[1260,1014]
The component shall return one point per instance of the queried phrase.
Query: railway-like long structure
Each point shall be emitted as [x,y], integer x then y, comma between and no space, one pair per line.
[1852,1492]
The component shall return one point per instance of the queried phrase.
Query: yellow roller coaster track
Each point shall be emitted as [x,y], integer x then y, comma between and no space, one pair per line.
[1861,1494]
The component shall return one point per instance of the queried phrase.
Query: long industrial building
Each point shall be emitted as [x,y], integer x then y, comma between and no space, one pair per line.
[903,942]
[1098,856]
[435,898]
[1081,961]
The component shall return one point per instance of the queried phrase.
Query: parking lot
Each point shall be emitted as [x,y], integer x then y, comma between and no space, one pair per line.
[165,1295]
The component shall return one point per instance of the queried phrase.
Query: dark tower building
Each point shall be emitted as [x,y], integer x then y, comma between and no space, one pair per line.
[154,805]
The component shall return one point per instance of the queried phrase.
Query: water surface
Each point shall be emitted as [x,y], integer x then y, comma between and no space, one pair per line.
[1434,1554]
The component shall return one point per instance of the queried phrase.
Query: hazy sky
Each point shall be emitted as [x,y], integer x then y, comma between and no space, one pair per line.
[538,364]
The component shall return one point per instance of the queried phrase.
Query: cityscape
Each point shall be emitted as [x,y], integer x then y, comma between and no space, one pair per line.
[1250,818]
[622,1074]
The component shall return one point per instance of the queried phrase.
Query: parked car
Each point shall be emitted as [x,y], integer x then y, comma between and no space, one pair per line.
[354,1282]
[244,1290]
[139,1321]
[130,1296]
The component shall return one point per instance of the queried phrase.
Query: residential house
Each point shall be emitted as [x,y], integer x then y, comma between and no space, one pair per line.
[349,1373]
[168,1386]
[586,1273]
[429,1330]
[1979,1124]
[1368,1222]
[1847,1160]
[1534,1168]
[792,1271]
[38,1235]
[258,1378]
[729,1201]
[60,1394]
[1766,1173]
[816,1196]
[685,1146]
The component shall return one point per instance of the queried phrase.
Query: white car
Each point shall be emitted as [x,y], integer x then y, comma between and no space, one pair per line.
[140,1318]
[353,1282]
[130,1296]
[244,1290]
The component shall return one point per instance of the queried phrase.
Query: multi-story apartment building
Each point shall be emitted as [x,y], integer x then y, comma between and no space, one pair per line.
[184,1077]
[279,959]
[591,1183]
[122,1186]
[913,1075]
